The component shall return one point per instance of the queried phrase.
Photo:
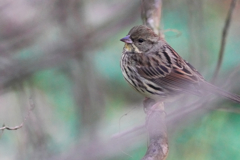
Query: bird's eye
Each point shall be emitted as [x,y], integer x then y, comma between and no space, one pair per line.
[140,40]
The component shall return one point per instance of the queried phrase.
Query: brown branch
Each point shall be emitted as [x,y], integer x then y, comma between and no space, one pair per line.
[224,37]
[151,13]
[158,145]
[155,123]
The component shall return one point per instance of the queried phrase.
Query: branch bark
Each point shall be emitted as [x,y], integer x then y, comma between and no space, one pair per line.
[157,130]
[151,13]
[155,120]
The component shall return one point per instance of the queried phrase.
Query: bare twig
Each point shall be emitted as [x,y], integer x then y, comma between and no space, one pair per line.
[32,106]
[224,37]
[11,128]
[178,33]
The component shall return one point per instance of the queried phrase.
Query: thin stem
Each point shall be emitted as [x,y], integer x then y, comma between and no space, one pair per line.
[224,37]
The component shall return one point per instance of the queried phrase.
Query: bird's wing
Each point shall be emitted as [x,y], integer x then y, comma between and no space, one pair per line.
[168,69]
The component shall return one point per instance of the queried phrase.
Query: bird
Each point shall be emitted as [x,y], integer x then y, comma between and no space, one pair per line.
[153,68]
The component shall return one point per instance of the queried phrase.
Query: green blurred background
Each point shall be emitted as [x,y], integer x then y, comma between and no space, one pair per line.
[64,57]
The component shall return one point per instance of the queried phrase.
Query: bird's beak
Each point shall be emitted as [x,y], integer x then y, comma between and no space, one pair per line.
[126,39]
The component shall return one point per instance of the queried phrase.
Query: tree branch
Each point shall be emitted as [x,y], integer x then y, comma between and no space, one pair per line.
[158,146]
[224,37]
[155,120]
[32,106]
[151,13]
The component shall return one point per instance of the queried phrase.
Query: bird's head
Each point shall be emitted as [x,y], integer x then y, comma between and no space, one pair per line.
[140,39]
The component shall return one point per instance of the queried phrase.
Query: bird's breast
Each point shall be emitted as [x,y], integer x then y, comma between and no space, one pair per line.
[139,83]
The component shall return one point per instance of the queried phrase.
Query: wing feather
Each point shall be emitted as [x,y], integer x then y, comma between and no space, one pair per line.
[177,74]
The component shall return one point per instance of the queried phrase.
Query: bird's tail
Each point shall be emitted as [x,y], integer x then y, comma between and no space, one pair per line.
[221,92]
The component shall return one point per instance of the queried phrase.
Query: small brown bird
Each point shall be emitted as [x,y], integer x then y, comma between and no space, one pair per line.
[156,70]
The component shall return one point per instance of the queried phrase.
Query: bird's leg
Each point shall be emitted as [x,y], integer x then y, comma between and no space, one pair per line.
[151,106]
[147,104]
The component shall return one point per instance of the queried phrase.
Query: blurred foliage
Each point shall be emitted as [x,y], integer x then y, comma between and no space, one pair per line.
[66,54]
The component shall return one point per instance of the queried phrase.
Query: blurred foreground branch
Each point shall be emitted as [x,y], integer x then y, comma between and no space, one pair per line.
[109,148]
